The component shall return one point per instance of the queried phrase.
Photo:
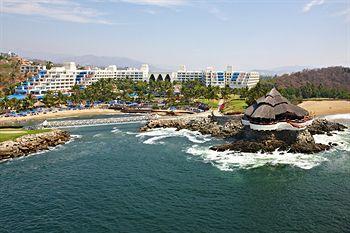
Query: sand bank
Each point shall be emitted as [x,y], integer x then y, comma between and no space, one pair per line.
[59,114]
[326,107]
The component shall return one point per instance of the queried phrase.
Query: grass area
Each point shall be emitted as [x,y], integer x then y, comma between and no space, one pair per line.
[234,106]
[212,103]
[11,134]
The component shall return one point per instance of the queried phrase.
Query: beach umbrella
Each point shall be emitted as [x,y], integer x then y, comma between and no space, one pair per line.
[63,106]
[39,104]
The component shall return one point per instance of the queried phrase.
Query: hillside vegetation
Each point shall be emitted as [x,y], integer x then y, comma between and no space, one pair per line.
[325,83]
[9,74]
[331,78]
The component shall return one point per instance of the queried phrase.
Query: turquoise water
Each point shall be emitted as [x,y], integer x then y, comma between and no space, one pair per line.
[113,179]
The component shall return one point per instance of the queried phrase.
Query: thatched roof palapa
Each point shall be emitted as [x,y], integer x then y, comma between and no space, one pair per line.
[272,105]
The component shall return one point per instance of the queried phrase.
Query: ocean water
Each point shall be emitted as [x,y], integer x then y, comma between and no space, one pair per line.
[115,179]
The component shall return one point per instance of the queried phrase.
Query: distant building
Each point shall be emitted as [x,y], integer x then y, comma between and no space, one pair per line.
[65,77]
[242,79]
[30,68]
[214,78]
[186,75]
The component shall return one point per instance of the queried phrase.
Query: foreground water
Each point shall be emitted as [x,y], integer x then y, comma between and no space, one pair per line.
[113,179]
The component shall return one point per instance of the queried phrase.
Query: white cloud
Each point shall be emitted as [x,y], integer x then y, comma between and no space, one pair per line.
[62,10]
[311,4]
[346,14]
[161,3]
[149,11]
[218,13]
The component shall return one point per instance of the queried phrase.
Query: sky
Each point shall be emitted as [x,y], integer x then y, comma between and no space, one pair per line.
[247,34]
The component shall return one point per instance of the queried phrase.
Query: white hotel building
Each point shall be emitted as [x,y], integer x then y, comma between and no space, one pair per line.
[65,77]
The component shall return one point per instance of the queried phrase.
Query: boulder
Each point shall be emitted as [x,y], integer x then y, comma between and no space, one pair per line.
[322,126]
[32,143]
[243,139]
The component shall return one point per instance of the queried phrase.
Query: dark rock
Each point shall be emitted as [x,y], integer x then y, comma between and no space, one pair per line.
[32,143]
[227,127]
[246,140]
[322,126]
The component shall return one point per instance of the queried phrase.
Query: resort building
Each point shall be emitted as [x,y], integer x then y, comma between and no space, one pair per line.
[236,79]
[160,76]
[30,68]
[214,78]
[185,75]
[65,77]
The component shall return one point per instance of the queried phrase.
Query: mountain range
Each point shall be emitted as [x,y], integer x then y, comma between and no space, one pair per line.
[102,61]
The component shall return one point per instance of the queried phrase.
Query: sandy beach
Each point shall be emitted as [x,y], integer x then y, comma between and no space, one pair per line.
[59,114]
[326,107]
[316,108]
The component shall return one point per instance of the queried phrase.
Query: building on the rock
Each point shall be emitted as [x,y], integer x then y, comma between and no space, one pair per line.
[275,112]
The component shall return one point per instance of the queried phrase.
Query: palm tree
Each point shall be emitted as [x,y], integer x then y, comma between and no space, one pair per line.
[49,65]
[50,99]
[29,101]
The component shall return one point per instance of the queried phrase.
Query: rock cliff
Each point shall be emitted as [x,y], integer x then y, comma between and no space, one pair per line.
[32,143]
[242,138]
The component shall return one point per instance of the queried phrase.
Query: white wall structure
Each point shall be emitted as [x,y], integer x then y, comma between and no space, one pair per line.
[65,77]
[237,79]
[187,75]
[214,78]
[29,68]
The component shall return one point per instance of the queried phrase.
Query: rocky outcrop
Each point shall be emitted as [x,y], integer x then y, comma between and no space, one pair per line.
[244,139]
[322,126]
[219,127]
[32,143]
[286,140]
[269,141]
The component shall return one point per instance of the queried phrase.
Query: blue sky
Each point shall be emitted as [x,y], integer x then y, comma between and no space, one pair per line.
[248,34]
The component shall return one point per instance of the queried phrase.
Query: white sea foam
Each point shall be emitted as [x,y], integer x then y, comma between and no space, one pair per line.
[130,133]
[156,135]
[115,130]
[342,139]
[228,161]
[345,116]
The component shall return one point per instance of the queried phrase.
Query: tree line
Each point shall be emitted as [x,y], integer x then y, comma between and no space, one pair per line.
[105,90]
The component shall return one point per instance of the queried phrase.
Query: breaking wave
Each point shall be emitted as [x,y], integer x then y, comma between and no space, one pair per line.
[228,160]
[155,136]
[345,116]
[342,139]
[115,130]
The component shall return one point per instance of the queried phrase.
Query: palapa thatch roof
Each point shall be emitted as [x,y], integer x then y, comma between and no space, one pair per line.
[272,105]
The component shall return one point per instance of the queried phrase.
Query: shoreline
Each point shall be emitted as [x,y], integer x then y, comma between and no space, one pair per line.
[32,143]
[59,114]
[317,108]
[326,107]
